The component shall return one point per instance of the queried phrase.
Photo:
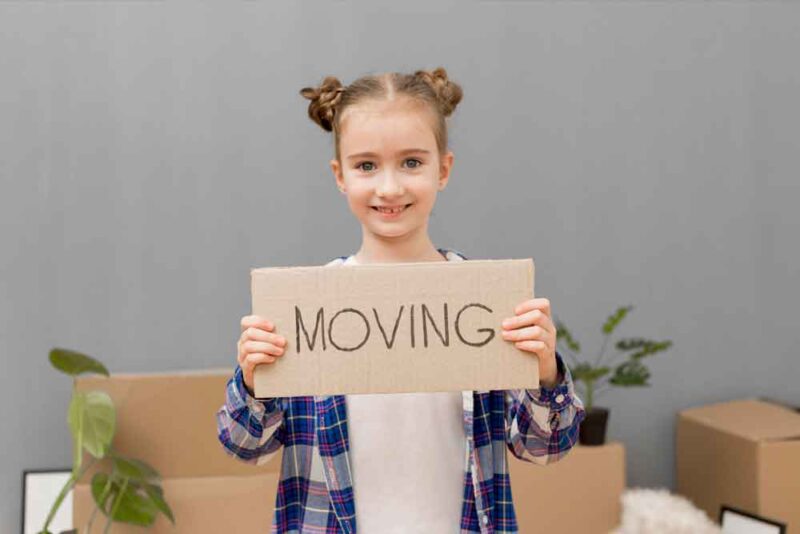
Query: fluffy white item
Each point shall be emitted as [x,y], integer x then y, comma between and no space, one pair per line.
[657,511]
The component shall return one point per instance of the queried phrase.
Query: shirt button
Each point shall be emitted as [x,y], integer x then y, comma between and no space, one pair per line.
[484,519]
[559,398]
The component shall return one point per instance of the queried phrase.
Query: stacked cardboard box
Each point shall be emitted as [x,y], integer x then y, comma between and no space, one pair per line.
[580,493]
[168,420]
[743,454]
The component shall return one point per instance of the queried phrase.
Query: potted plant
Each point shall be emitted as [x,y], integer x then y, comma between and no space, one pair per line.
[625,368]
[129,491]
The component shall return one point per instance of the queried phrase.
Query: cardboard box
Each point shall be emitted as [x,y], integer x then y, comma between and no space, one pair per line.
[580,493]
[168,420]
[392,328]
[745,454]
[200,505]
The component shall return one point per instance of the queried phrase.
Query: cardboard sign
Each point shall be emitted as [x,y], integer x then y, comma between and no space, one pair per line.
[393,328]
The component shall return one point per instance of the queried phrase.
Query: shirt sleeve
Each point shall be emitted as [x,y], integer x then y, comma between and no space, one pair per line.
[250,429]
[542,424]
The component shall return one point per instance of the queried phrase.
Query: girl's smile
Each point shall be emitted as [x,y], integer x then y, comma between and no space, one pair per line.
[391,212]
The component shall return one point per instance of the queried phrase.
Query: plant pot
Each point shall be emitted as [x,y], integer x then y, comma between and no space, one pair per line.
[593,427]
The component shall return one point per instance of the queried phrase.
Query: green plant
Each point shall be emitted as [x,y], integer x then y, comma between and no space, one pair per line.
[131,492]
[598,375]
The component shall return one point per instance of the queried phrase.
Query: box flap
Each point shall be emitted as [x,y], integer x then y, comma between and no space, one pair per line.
[749,418]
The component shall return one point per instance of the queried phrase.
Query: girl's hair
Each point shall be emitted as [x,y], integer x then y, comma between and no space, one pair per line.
[432,88]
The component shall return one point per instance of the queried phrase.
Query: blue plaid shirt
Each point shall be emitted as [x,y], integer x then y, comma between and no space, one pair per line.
[315,493]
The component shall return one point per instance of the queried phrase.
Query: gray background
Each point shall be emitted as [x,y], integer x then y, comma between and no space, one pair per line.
[641,153]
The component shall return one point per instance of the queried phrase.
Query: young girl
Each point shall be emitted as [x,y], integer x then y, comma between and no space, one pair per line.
[401,463]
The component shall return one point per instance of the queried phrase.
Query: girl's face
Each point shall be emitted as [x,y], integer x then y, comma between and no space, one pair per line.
[390,167]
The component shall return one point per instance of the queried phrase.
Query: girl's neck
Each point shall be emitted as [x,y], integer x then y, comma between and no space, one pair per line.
[388,251]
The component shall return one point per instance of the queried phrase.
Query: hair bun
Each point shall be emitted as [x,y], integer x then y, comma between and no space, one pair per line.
[324,98]
[448,93]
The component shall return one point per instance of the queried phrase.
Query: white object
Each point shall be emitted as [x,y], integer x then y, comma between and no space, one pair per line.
[407,454]
[41,490]
[657,511]
[735,523]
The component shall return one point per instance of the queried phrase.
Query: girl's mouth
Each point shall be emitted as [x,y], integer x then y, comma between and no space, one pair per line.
[390,213]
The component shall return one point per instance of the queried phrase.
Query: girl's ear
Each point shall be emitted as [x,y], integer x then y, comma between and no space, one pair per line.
[444,169]
[337,173]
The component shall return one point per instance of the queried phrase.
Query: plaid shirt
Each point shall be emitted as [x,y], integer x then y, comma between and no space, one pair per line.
[315,493]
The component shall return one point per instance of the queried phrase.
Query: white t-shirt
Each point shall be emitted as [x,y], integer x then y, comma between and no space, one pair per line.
[408,459]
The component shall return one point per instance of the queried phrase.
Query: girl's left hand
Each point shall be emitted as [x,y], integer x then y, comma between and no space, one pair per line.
[533,330]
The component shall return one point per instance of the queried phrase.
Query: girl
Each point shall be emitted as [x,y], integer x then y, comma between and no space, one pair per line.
[421,462]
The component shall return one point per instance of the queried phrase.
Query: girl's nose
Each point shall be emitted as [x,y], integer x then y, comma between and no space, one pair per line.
[389,185]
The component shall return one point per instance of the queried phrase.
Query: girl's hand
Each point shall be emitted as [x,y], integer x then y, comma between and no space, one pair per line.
[257,345]
[533,330]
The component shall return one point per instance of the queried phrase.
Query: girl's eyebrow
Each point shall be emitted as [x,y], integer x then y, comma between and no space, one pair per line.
[402,152]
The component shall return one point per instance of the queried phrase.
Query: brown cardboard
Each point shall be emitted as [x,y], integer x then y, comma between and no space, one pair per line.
[381,328]
[744,454]
[579,493]
[200,505]
[169,421]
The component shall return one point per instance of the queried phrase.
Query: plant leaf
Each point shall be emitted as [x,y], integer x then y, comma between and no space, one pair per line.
[92,420]
[630,373]
[156,495]
[134,469]
[98,486]
[631,343]
[650,348]
[563,334]
[75,420]
[135,505]
[615,318]
[74,363]
[586,373]
[136,508]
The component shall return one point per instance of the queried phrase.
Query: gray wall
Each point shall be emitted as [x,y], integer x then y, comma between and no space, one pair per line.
[151,153]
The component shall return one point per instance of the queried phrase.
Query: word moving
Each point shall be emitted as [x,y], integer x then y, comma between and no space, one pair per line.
[326,332]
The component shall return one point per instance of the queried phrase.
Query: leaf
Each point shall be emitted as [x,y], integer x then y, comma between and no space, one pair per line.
[101,489]
[92,420]
[74,363]
[615,318]
[631,343]
[134,469]
[650,348]
[135,506]
[630,373]
[587,373]
[156,495]
[562,334]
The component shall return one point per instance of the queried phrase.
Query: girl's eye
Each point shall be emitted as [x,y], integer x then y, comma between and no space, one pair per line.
[368,163]
[417,163]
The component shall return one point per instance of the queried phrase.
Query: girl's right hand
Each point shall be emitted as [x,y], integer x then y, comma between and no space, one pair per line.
[257,345]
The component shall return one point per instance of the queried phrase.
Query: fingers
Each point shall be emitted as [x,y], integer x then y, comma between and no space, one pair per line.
[537,347]
[256,358]
[255,321]
[252,347]
[257,334]
[533,317]
[533,304]
[257,338]
[521,334]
